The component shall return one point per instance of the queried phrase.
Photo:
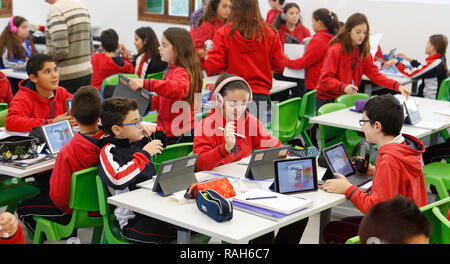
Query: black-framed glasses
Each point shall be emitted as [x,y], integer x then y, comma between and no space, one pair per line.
[362,121]
[137,124]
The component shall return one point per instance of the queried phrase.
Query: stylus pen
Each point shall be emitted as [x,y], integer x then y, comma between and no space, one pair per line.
[257,198]
[239,135]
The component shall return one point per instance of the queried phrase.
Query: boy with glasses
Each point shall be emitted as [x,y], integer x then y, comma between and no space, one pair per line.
[398,166]
[126,161]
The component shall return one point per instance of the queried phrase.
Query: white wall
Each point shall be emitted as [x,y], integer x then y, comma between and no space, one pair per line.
[405,26]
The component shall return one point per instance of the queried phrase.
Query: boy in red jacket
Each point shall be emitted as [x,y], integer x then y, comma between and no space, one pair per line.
[80,153]
[398,166]
[107,63]
[39,100]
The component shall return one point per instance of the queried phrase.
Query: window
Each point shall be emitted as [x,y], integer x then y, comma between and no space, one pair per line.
[5,8]
[170,11]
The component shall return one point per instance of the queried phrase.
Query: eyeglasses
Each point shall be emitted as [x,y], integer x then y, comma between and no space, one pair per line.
[137,124]
[362,121]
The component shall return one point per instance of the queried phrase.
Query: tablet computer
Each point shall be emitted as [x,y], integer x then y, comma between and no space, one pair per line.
[57,135]
[142,96]
[412,111]
[295,175]
[260,166]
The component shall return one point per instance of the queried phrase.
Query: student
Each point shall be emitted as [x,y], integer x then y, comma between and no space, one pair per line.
[395,221]
[125,161]
[216,147]
[326,24]
[214,18]
[276,6]
[81,152]
[289,22]
[433,72]
[248,47]
[107,63]
[5,89]
[347,60]
[11,231]
[175,94]
[398,167]
[39,100]
[16,45]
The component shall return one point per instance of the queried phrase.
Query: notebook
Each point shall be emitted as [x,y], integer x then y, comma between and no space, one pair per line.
[29,163]
[282,203]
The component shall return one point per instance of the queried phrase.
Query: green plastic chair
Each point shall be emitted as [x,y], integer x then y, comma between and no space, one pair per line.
[444,95]
[353,241]
[151,117]
[330,136]
[3,115]
[114,80]
[173,152]
[156,75]
[285,122]
[350,99]
[307,111]
[438,175]
[11,194]
[83,199]
[111,229]
[3,106]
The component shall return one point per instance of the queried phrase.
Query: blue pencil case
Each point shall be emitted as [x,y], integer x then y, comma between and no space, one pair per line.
[214,205]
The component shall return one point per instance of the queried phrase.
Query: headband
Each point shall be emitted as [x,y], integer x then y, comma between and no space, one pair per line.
[227,81]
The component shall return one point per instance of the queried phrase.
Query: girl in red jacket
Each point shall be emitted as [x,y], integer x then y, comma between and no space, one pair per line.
[347,60]
[326,24]
[214,18]
[249,47]
[175,93]
[289,22]
[230,133]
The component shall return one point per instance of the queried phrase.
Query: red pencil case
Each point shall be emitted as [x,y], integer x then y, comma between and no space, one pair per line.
[221,186]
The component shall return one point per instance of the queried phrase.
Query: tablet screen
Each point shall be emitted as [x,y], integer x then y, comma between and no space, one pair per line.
[339,160]
[412,110]
[57,135]
[296,175]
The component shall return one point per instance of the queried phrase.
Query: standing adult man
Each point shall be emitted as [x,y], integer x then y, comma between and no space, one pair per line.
[69,42]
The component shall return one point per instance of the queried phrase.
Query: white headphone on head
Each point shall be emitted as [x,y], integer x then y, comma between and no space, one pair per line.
[217,99]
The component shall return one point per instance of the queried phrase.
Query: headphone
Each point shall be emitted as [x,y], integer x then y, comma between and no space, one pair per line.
[283,15]
[12,27]
[361,165]
[217,99]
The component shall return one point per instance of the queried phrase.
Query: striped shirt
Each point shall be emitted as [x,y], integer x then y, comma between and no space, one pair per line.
[69,38]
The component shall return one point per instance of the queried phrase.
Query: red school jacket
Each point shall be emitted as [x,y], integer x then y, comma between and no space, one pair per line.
[252,59]
[175,87]
[341,69]
[300,32]
[104,66]
[5,89]
[312,59]
[28,109]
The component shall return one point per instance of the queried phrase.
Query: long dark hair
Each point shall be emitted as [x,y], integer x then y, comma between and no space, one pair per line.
[344,35]
[247,19]
[151,43]
[329,19]
[440,43]
[10,41]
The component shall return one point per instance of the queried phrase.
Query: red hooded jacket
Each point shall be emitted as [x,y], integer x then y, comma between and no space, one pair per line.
[312,59]
[398,171]
[252,59]
[209,141]
[300,32]
[28,109]
[104,66]
[341,69]
[5,89]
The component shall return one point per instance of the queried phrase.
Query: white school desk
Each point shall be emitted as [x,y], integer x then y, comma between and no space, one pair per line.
[371,87]
[242,228]
[22,75]
[347,119]
[277,85]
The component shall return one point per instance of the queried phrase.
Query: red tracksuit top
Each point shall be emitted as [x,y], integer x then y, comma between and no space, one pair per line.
[104,66]
[312,59]
[398,170]
[209,141]
[252,59]
[300,32]
[5,89]
[204,32]
[175,87]
[341,69]
[28,109]
[272,15]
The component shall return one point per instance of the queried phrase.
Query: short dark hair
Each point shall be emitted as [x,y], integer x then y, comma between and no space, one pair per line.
[36,63]
[86,105]
[109,40]
[393,221]
[114,110]
[387,110]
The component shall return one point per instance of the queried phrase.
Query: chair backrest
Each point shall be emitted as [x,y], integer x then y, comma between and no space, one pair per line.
[113,80]
[156,75]
[3,106]
[444,90]
[3,115]
[440,226]
[173,152]
[83,190]
[102,194]
[331,135]
[307,110]
[350,99]
[285,118]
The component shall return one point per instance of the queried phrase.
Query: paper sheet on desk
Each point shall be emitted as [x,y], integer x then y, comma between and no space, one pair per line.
[294,51]
[445,111]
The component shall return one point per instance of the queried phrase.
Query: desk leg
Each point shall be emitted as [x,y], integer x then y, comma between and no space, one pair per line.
[368,88]
[434,138]
[325,217]
[183,236]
